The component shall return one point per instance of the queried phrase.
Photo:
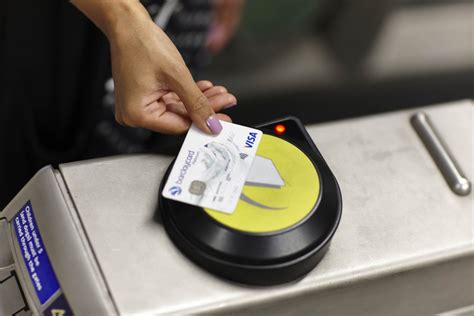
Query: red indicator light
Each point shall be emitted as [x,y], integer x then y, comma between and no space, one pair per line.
[280,129]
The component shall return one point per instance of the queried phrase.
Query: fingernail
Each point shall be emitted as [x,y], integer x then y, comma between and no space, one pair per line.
[230,105]
[214,124]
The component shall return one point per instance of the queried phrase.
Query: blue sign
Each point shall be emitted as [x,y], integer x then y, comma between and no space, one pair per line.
[58,307]
[34,254]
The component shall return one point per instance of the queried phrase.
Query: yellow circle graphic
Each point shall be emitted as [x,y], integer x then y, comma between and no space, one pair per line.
[266,209]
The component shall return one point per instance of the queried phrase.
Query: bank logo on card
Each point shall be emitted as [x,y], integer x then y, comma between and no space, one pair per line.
[210,170]
[175,190]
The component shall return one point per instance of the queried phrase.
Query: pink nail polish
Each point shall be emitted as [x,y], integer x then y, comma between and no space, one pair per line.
[214,125]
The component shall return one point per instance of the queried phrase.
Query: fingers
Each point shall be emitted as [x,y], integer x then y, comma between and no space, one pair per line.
[200,108]
[224,117]
[171,97]
[174,120]
[222,101]
[214,91]
[203,85]
[218,103]
[218,97]
[163,121]
[177,108]
[180,81]
[168,114]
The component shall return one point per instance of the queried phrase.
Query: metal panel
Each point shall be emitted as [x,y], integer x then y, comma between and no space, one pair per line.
[399,216]
[413,292]
[65,246]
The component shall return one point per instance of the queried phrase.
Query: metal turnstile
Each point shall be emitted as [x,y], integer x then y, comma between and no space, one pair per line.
[86,238]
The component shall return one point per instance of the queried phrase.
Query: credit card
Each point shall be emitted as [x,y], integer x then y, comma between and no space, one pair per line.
[210,170]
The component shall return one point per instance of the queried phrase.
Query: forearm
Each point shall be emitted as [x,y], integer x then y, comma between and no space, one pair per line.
[114,16]
[148,69]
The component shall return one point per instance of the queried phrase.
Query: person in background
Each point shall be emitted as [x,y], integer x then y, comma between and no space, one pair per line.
[56,90]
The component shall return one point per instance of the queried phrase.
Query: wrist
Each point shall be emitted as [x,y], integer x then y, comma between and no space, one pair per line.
[126,17]
[114,18]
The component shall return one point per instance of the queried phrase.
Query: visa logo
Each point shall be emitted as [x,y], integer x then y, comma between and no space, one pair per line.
[251,138]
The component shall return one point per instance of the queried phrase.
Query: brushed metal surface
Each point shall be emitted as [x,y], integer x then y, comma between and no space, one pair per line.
[11,301]
[6,257]
[64,244]
[399,216]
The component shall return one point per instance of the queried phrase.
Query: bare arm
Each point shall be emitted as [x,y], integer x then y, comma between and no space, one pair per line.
[153,87]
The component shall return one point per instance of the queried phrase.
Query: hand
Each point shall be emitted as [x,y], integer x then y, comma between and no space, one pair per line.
[155,90]
[153,87]
[226,20]
[217,96]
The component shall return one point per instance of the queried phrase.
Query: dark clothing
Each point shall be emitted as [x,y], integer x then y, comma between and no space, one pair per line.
[53,65]
[54,104]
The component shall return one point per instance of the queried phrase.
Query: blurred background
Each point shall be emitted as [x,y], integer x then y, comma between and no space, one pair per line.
[319,60]
[324,60]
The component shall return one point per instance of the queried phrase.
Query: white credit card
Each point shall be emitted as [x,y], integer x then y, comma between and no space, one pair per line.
[210,170]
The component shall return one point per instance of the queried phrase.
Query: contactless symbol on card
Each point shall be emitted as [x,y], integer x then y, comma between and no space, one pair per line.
[210,171]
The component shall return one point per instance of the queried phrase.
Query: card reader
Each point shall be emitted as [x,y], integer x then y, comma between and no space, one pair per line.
[287,214]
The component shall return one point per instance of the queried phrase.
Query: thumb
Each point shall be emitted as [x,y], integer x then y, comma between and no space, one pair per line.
[197,105]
